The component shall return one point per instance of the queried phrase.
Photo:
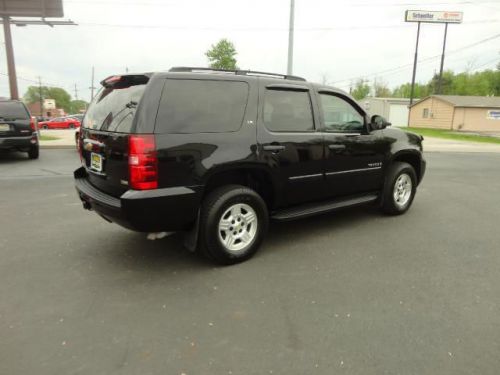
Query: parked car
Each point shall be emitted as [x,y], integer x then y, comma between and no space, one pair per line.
[60,123]
[220,153]
[18,131]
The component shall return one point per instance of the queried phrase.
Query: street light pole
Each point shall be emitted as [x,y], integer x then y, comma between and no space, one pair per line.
[289,69]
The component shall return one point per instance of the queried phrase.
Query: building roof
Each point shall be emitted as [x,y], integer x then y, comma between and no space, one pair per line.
[468,101]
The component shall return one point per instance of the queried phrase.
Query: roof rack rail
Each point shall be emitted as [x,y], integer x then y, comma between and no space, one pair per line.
[236,72]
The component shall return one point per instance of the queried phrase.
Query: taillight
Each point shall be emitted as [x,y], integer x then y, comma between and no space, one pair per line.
[32,124]
[142,162]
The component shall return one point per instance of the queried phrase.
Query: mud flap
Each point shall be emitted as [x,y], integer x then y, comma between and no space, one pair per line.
[191,237]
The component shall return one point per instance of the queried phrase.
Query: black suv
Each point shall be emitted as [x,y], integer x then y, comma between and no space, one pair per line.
[18,131]
[219,153]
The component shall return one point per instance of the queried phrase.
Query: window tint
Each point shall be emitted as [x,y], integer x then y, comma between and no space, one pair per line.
[201,106]
[288,111]
[113,108]
[340,116]
[14,110]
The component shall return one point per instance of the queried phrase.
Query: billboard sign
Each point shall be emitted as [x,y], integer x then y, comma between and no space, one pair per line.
[433,17]
[31,8]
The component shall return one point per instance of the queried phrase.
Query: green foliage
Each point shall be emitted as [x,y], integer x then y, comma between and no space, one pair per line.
[484,83]
[61,96]
[222,55]
[380,90]
[361,89]
[78,106]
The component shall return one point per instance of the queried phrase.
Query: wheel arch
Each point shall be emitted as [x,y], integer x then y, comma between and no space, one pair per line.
[414,158]
[255,177]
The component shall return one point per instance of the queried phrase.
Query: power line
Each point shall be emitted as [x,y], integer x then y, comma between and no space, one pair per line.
[427,59]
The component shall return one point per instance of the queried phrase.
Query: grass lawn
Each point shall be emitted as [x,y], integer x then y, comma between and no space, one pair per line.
[453,135]
[48,138]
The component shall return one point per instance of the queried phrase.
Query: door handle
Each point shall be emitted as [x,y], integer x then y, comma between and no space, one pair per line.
[274,148]
[336,147]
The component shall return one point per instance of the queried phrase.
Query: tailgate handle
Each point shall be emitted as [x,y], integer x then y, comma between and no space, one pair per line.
[336,147]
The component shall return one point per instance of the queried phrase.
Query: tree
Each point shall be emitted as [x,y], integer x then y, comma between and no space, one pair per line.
[361,89]
[78,106]
[222,55]
[61,96]
[380,89]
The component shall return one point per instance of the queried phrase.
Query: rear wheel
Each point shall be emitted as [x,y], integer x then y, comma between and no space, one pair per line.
[34,152]
[233,223]
[45,127]
[71,126]
[400,188]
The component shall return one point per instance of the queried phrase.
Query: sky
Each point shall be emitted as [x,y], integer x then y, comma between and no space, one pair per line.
[335,41]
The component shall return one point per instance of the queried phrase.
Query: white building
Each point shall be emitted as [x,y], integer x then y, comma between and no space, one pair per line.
[395,110]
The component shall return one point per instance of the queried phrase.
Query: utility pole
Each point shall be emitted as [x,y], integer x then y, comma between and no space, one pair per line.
[92,87]
[11,65]
[76,93]
[40,94]
[442,59]
[414,72]
[289,69]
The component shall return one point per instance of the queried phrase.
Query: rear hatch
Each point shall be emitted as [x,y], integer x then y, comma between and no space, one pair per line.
[105,131]
[14,120]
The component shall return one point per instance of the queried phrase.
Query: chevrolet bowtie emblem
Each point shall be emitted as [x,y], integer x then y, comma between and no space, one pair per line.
[88,146]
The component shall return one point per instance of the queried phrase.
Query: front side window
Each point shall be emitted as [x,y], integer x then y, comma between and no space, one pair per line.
[340,116]
[201,106]
[288,111]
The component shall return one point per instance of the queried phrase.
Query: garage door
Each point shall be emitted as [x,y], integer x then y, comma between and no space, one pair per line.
[398,114]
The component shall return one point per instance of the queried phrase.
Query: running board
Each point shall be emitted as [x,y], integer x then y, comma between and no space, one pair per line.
[311,209]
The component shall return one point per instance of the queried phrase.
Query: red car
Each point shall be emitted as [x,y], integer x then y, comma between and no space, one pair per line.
[60,123]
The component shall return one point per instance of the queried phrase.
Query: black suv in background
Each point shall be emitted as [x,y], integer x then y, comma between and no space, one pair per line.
[219,153]
[18,130]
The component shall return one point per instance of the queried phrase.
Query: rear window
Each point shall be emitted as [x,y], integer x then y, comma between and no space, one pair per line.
[13,110]
[201,106]
[113,108]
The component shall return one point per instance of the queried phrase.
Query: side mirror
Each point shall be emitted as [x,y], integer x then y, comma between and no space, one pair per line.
[378,122]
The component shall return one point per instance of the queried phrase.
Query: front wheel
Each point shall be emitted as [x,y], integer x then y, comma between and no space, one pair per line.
[399,189]
[233,223]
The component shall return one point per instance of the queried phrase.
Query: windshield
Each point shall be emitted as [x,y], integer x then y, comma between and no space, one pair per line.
[113,108]
[14,110]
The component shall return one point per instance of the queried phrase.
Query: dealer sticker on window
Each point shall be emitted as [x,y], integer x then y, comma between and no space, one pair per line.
[96,162]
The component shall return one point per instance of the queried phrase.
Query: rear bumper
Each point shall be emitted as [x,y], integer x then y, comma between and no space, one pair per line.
[8,143]
[169,209]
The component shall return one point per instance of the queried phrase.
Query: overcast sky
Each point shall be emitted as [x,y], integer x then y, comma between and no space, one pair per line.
[336,41]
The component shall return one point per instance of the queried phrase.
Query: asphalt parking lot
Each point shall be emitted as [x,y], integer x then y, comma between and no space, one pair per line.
[352,292]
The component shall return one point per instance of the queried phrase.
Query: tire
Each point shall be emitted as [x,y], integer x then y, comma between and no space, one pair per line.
[34,152]
[71,126]
[45,127]
[399,188]
[244,234]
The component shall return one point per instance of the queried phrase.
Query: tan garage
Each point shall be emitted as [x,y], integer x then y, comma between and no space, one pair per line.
[466,113]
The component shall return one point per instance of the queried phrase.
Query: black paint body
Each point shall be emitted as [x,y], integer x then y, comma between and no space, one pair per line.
[286,168]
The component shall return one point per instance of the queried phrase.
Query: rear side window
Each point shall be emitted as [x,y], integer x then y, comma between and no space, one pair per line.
[288,111]
[13,110]
[113,108]
[201,106]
